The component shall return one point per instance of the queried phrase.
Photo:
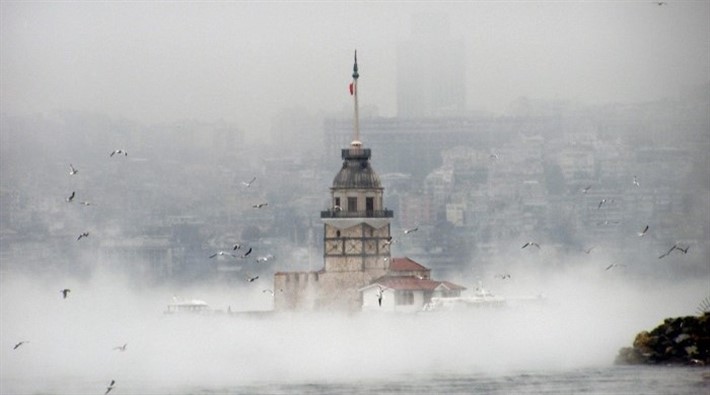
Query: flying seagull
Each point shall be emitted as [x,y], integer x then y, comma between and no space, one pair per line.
[607,222]
[71,197]
[271,291]
[72,170]
[121,348]
[586,189]
[380,294]
[588,250]
[246,254]
[264,258]
[493,156]
[237,247]
[119,151]
[260,205]
[248,184]
[81,236]
[20,343]
[65,292]
[110,387]
[601,203]
[675,247]
[408,231]
[252,279]
[86,203]
[668,252]
[643,232]
[221,253]
[613,265]
[529,244]
[503,276]
[636,181]
[389,241]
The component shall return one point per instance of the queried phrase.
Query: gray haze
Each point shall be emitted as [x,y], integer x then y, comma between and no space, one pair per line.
[243,62]
[205,96]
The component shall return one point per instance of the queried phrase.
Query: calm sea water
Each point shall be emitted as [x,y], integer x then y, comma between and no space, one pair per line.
[642,380]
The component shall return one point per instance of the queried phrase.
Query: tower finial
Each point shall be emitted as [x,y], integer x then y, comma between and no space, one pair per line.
[353,92]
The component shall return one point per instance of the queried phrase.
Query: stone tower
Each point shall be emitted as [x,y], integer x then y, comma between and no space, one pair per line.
[357,227]
[356,237]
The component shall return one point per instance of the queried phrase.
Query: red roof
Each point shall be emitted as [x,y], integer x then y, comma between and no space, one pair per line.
[451,285]
[413,283]
[405,265]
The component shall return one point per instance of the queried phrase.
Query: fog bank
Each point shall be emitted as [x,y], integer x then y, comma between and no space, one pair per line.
[586,318]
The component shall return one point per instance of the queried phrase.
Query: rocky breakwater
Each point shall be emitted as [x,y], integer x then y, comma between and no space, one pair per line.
[677,341]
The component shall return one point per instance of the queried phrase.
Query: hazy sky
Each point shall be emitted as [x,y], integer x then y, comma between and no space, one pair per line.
[243,61]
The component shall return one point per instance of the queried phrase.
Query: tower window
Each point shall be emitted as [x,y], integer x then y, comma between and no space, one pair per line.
[337,202]
[352,204]
[369,204]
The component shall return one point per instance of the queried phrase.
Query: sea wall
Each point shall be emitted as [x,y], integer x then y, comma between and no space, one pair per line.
[677,341]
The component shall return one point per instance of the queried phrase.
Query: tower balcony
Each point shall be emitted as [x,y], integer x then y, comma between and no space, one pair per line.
[356,214]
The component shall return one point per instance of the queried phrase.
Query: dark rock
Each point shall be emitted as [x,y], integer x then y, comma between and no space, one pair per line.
[682,341]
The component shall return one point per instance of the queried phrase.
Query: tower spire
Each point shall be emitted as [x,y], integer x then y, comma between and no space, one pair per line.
[353,91]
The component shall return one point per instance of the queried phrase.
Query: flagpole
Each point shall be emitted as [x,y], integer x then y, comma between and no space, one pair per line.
[357,110]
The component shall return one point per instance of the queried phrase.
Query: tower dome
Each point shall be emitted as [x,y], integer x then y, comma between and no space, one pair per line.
[356,173]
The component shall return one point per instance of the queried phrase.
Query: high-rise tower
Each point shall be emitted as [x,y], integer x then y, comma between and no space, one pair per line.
[431,68]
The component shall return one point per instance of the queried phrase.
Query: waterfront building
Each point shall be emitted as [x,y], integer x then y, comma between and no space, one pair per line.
[356,239]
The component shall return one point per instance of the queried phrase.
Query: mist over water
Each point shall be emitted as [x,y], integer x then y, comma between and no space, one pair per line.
[208,96]
[588,314]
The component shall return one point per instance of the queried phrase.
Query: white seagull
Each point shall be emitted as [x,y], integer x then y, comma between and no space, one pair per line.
[643,232]
[264,258]
[380,294]
[119,151]
[636,181]
[71,197]
[530,244]
[72,170]
[81,236]
[20,343]
[110,387]
[271,291]
[121,348]
[65,292]
[260,205]
[613,265]
[248,184]
[675,247]
[246,254]
[408,231]
[252,279]
[221,253]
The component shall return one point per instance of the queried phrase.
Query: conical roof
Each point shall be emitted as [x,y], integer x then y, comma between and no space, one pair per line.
[356,173]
